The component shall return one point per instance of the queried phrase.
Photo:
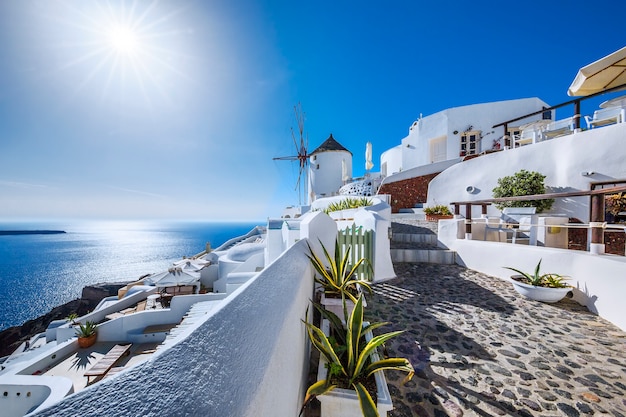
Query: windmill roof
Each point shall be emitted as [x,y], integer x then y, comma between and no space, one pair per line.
[330,144]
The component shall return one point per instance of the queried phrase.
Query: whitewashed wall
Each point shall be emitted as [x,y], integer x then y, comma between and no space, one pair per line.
[600,280]
[327,179]
[249,358]
[416,146]
[561,160]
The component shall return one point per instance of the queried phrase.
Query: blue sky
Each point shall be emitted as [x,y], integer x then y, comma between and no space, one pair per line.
[175,109]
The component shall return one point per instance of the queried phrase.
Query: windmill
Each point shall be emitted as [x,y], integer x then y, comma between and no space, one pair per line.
[301,149]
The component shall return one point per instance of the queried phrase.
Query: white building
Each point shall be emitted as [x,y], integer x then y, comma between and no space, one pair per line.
[330,165]
[452,134]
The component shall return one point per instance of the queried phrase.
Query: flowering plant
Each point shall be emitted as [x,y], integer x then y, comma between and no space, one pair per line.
[615,203]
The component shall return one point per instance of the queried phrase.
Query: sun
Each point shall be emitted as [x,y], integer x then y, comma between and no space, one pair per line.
[123,40]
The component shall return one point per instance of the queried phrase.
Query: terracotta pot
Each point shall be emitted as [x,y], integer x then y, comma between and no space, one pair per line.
[437,217]
[85,342]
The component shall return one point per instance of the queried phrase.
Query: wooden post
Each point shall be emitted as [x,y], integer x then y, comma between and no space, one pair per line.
[576,115]
[457,210]
[507,139]
[596,224]
[468,221]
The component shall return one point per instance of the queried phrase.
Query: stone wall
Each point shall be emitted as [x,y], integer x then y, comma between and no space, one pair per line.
[407,193]
[614,240]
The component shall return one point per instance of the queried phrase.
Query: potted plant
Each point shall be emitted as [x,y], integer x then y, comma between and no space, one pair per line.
[548,288]
[437,212]
[338,280]
[522,183]
[86,334]
[348,358]
[72,318]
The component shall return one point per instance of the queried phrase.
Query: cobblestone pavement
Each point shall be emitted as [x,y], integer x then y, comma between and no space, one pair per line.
[481,350]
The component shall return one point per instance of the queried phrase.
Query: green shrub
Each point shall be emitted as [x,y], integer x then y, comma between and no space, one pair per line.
[522,183]
[438,210]
[348,203]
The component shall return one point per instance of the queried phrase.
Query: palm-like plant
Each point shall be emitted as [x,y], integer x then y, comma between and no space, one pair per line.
[352,362]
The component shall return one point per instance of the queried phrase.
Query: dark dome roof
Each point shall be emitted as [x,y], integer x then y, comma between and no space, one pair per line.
[330,144]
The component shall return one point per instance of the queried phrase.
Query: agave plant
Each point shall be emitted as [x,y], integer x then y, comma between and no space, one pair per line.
[338,277]
[349,357]
[537,279]
[86,330]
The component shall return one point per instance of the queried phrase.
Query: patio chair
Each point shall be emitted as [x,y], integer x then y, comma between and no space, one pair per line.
[559,128]
[605,117]
[516,222]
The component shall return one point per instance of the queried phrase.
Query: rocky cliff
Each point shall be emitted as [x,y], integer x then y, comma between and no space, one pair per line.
[11,338]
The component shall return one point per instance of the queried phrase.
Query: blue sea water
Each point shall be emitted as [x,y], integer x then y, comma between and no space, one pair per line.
[39,272]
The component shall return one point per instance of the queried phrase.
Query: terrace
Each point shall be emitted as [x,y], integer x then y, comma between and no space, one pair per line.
[481,349]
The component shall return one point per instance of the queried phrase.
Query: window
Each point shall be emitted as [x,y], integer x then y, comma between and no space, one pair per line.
[470,143]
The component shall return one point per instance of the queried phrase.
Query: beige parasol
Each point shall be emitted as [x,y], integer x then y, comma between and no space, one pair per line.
[605,73]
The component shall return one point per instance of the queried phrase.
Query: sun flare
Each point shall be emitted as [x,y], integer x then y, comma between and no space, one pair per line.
[123,40]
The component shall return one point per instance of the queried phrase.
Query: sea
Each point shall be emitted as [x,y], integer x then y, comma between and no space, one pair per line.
[41,271]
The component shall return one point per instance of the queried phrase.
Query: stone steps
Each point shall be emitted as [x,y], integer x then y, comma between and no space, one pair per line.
[420,247]
[432,256]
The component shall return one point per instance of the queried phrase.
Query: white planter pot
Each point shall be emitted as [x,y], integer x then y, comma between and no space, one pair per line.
[544,294]
[344,402]
[334,305]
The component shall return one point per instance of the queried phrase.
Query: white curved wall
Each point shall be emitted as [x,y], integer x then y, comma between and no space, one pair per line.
[391,161]
[561,160]
[325,172]
[599,279]
[416,146]
[249,358]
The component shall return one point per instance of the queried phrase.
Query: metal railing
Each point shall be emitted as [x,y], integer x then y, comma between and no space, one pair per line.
[576,116]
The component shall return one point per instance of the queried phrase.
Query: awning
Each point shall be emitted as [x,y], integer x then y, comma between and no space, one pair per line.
[603,74]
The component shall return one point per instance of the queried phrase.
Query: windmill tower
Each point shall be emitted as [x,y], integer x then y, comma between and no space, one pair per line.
[330,166]
[302,155]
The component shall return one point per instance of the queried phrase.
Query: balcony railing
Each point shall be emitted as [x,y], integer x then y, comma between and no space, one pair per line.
[573,122]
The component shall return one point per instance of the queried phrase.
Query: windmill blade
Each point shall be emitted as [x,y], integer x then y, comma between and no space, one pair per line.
[298,182]
[285,158]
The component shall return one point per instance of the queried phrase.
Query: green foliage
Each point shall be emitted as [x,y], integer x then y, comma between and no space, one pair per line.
[522,183]
[355,363]
[71,317]
[86,330]
[615,203]
[348,203]
[337,276]
[438,210]
[550,280]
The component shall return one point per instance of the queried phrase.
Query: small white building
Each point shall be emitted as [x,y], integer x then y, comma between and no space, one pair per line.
[330,165]
[455,133]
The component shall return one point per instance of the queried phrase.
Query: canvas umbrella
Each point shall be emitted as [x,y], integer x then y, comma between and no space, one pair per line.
[192,264]
[174,277]
[605,73]
[368,156]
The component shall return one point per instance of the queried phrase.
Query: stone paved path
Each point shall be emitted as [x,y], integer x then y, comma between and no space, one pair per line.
[482,350]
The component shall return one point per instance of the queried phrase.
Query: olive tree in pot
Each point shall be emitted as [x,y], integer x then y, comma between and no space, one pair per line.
[348,361]
[548,288]
[338,279]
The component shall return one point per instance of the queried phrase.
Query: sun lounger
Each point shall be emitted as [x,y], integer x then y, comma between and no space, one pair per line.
[103,366]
